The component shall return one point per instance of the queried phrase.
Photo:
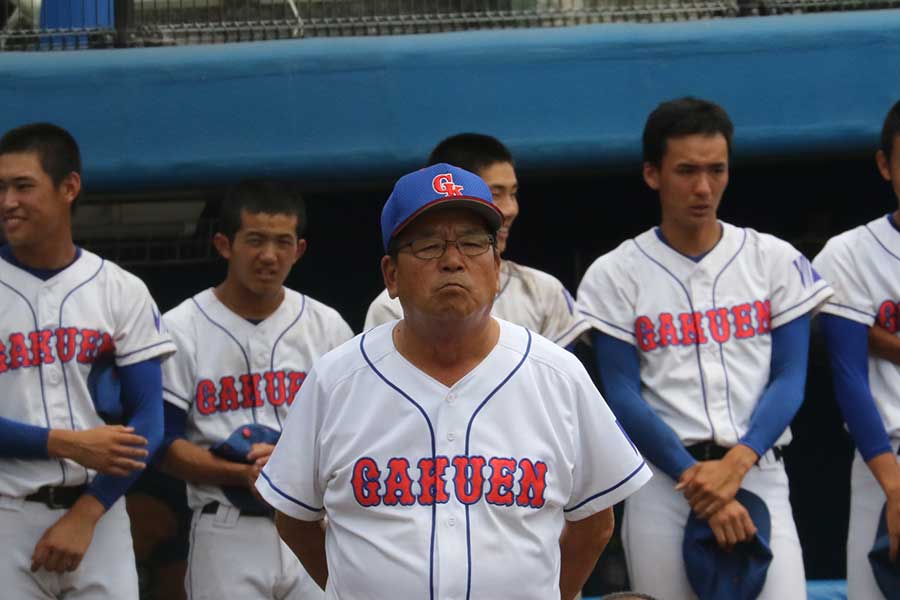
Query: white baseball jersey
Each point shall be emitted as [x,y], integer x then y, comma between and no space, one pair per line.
[702,329]
[51,333]
[459,492]
[230,372]
[527,297]
[863,267]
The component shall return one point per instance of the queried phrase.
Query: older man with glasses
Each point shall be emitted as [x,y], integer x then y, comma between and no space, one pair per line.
[455,455]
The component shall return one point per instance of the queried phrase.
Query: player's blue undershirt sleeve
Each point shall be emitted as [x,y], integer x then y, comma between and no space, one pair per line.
[783,395]
[620,373]
[175,422]
[21,440]
[142,396]
[848,352]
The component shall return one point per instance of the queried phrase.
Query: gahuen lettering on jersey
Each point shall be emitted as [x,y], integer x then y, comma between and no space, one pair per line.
[46,346]
[718,325]
[502,481]
[250,390]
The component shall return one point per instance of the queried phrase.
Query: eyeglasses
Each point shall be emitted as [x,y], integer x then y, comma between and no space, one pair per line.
[473,244]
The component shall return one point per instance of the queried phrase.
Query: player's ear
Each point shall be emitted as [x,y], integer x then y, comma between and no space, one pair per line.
[302,245]
[884,165]
[651,176]
[222,245]
[389,272]
[70,187]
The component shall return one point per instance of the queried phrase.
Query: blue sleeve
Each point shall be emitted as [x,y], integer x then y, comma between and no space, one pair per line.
[620,373]
[20,440]
[783,395]
[848,352]
[175,421]
[142,399]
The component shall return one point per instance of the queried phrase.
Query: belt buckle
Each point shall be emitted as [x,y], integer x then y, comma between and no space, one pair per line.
[51,499]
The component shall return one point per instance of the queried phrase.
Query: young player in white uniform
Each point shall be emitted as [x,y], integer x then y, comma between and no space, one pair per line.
[702,339]
[66,312]
[863,267]
[245,349]
[449,450]
[527,296]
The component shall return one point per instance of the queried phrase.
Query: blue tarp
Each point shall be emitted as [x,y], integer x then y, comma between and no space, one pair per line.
[360,108]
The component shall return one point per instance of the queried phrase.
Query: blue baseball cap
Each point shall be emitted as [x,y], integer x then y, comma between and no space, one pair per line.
[438,185]
[886,572]
[736,575]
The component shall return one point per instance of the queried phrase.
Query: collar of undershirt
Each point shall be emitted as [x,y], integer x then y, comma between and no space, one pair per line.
[890,218]
[6,254]
[697,258]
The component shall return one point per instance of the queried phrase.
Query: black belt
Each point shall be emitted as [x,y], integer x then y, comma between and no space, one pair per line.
[213,507]
[711,451]
[57,497]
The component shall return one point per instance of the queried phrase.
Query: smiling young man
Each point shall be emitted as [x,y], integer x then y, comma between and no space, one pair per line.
[245,348]
[455,455]
[702,334]
[68,314]
[526,296]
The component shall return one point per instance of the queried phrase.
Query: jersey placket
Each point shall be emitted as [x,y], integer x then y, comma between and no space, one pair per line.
[451,546]
[47,308]
[711,361]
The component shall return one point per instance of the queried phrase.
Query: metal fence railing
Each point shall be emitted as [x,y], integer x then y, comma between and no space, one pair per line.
[62,24]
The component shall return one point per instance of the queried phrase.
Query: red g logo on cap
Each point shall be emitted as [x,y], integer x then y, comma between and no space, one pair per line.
[443,184]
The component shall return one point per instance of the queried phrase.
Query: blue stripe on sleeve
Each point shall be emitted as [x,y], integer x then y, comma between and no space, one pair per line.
[848,352]
[619,368]
[783,395]
[143,408]
[20,440]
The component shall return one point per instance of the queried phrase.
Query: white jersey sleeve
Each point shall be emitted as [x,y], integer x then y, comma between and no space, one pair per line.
[606,294]
[852,297]
[140,334]
[179,374]
[382,310]
[796,288]
[608,467]
[291,482]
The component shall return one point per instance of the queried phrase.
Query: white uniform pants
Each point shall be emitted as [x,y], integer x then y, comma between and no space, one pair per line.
[653,532]
[106,572]
[235,557]
[866,501]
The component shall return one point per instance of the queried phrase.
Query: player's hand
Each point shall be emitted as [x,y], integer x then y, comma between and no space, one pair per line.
[731,525]
[64,544]
[109,449]
[709,485]
[259,454]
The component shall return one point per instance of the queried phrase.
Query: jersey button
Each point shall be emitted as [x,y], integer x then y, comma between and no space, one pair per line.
[451,521]
[54,377]
[451,436]
[451,398]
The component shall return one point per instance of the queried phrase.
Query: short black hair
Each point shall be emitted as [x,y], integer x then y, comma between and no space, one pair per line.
[890,130]
[260,196]
[470,151]
[683,117]
[55,147]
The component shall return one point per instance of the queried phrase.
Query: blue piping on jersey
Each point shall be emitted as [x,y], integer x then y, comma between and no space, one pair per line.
[174,395]
[133,352]
[605,322]
[609,489]
[62,467]
[856,310]
[568,331]
[365,356]
[801,303]
[468,437]
[696,346]
[272,360]
[737,435]
[880,243]
[287,496]
[244,352]
[62,366]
